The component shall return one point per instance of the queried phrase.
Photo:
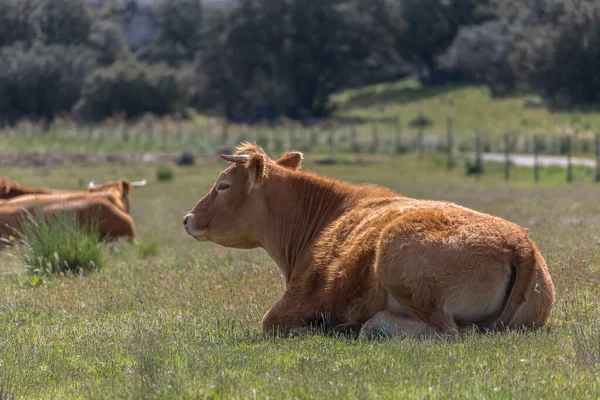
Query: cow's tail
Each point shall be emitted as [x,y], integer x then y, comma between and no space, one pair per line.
[524,264]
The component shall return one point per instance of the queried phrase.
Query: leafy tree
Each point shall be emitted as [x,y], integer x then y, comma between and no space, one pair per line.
[268,58]
[557,56]
[15,24]
[422,30]
[132,88]
[107,39]
[41,81]
[66,22]
[481,53]
[179,29]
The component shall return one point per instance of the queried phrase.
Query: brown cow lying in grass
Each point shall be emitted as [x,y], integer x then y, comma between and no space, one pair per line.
[112,222]
[107,203]
[115,192]
[9,190]
[361,255]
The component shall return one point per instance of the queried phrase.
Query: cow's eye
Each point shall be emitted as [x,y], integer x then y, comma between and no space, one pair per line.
[222,186]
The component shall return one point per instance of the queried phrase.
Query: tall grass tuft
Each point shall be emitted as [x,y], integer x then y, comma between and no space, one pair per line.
[164,173]
[60,245]
[149,248]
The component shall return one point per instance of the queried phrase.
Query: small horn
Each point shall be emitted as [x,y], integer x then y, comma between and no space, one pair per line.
[240,159]
[139,183]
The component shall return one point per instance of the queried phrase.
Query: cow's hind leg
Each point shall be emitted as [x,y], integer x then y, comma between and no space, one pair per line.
[410,273]
[392,324]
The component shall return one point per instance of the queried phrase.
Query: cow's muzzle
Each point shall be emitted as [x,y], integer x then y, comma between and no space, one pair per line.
[188,223]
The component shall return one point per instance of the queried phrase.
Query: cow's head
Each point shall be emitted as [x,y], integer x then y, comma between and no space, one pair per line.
[231,211]
[119,191]
[4,187]
[9,190]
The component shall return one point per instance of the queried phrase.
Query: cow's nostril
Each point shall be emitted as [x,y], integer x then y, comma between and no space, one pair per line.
[185,219]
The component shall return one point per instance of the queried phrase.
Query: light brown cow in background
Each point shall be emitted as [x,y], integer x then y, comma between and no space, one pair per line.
[111,221]
[115,192]
[108,204]
[9,190]
[360,255]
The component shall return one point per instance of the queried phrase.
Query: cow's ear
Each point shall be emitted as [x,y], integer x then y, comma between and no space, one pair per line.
[125,186]
[257,169]
[4,188]
[291,160]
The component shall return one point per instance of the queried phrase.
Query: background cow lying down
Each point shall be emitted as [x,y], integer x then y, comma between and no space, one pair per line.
[112,222]
[361,255]
[108,204]
[115,192]
[9,190]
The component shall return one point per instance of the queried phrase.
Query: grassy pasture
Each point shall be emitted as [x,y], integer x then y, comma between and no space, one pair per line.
[183,321]
[471,108]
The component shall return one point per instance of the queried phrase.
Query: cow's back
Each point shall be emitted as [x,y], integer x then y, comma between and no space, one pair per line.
[344,255]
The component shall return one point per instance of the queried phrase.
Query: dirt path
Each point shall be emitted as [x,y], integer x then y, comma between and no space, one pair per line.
[48,159]
[527,160]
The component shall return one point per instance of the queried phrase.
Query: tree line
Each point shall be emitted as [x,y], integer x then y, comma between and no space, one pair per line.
[251,60]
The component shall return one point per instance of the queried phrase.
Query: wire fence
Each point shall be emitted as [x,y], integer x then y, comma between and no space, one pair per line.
[170,134]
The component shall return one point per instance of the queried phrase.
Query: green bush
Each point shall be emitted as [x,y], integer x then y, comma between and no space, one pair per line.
[164,173]
[41,81]
[131,88]
[557,57]
[60,245]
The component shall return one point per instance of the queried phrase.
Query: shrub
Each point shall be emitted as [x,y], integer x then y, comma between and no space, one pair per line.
[557,57]
[42,81]
[131,88]
[164,173]
[481,54]
[60,245]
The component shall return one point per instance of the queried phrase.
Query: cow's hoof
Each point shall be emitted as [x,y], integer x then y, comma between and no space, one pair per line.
[373,332]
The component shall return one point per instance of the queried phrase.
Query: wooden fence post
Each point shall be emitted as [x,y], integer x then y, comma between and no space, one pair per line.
[478,158]
[374,139]
[312,139]
[225,135]
[165,133]
[536,166]
[420,140]
[179,127]
[506,157]
[331,142]
[354,148]
[292,138]
[569,163]
[397,137]
[125,131]
[597,157]
[450,143]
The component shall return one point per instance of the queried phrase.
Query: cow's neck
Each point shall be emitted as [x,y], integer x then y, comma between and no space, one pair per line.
[299,208]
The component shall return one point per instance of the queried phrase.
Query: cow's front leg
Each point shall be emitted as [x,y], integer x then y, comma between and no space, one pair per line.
[289,316]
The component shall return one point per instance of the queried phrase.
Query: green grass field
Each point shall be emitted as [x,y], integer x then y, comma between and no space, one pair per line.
[470,107]
[175,318]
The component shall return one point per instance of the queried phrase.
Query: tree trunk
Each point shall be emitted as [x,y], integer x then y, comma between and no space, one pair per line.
[433,76]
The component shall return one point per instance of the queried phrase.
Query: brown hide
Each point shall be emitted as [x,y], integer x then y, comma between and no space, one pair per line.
[112,222]
[9,190]
[115,192]
[365,255]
